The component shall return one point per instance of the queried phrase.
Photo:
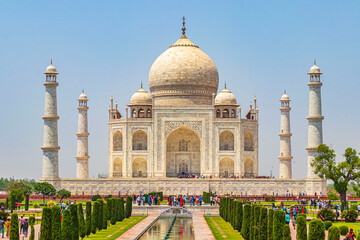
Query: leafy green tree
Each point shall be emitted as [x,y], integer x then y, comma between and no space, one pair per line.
[32,229]
[333,233]
[63,194]
[128,207]
[332,196]
[88,218]
[27,202]
[286,232]
[95,216]
[105,215]
[82,226]
[270,224]
[263,223]
[16,195]
[341,173]
[74,222]
[56,223]
[22,185]
[99,221]
[301,230]
[45,189]
[245,228]
[45,229]
[316,230]
[278,224]
[239,215]
[66,230]
[14,227]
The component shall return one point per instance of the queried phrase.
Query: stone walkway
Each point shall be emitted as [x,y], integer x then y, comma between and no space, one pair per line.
[37,232]
[201,228]
[133,232]
[293,232]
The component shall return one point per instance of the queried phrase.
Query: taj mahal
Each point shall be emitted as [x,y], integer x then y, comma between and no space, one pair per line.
[183,136]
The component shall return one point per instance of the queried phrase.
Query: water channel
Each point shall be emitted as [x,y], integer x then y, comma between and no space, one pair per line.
[182,229]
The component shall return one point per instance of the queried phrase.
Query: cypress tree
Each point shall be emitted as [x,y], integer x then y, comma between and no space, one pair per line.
[112,209]
[334,233]
[278,224]
[26,202]
[223,202]
[14,227]
[301,230]
[234,213]
[88,218]
[82,226]
[105,215]
[74,222]
[56,223]
[12,203]
[45,229]
[128,208]
[270,224]
[286,232]
[239,215]
[252,222]
[256,225]
[66,231]
[32,232]
[101,215]
[230,211]
[263,223]
[316,230]
[121,209]
[117,209]
[245,227]
[94,217]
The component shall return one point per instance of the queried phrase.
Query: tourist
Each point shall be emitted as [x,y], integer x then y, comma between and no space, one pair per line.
[2,227]
[200,200]
[139,200]
[144,198]
[337,214]
[8,227]
[351,235]
[26,227]
[287,218]
[22,220]
[358,208]
[211,200]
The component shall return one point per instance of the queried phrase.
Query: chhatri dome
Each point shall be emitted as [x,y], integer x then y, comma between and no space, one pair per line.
[183,75]
[51,69]
[315,69]
[141,97]
[83,96]
[285,97]
[225,97]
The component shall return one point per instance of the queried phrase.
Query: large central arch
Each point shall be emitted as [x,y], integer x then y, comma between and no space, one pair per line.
[182,152]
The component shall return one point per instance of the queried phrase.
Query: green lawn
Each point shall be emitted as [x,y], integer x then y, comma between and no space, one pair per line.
[222,229]
[355,226]
[115,231]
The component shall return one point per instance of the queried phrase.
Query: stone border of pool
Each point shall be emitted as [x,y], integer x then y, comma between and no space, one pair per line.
[135,231]
[202,230]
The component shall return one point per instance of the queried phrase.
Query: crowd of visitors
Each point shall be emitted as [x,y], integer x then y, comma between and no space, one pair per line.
[190,175]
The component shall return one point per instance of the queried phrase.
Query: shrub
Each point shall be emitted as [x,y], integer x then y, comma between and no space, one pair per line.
[270,199]
[332,196]
[74,222]
[302,215]
[95,197]
[88,218]
[56,223]
[252,222]
[333,233]
[14,227]
[101,214]
[263,223]
[301,230]
[66,231]
[344,230]
[26,202]
[32,230]
[286,232]
[50,203]
[316,230]
[121,208]
[239,215]
[45,229]
[82,226]
[256,225]
[328,224]
[350,215]
[230,211]
[105,216]
[278,224]
[326,214]
[112,209]
[245,228]
[107,197]
[270,224]
[117,209]
[128,207]
[94,217]
[4,215]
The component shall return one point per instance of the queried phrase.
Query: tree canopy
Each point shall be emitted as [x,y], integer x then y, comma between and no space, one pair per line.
[45,189]
[63,193]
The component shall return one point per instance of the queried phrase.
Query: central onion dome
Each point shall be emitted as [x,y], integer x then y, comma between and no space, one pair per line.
[183,75]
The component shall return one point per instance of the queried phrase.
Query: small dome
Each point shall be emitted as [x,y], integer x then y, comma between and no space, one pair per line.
[83,96]
[314,69]
[141,97]
[225,97]
[51,69]
[285,97]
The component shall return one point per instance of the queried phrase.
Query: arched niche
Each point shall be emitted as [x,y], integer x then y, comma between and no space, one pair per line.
[249,141]
[226,141]
[139,167]
[226,167]
[117,141]
[139,140]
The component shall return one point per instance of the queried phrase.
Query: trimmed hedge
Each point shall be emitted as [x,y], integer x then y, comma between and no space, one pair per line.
[326,215]
[333,233]
[350,215]
[74,222]
[105,216]
[252,222]
[301,230]
[95,216]
[344,230]
[263,223]
[82,226]
[112,210]
[270,224]
[26,202]
[302,215]
[88,218]
[121,209]
[66,231]
[14,227]
[278,224]
[239,215]
[256,224]
[95,197]
[245,228]
[99,221]
[32,232]
[286,232]
[316,230]
[270,199]
[128,207]
[56,223]
[45,229]
[206,196]
[328,224]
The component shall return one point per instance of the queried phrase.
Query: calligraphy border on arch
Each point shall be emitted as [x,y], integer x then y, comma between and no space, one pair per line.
[193,125]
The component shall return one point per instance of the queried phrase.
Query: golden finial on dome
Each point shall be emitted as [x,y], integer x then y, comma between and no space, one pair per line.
[141,85]
[314,61]
[51,62]
[225,84]
[183,27]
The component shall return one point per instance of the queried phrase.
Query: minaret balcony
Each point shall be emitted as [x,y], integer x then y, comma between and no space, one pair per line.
[318,117]
[285,134]
[285,157]
[50,117]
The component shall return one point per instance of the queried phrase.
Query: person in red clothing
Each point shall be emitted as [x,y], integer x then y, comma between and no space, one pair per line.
[351,235]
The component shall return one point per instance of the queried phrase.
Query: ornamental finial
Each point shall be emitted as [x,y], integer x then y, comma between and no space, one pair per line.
[314,61]
[183,27]
[141,85]
[225,84]
[51,62]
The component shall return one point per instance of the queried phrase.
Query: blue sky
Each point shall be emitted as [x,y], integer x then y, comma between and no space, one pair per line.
[108,47]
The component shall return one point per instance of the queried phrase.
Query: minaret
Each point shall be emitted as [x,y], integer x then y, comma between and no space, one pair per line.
[315,136]
[50,168]
[285,139]
[82,156]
